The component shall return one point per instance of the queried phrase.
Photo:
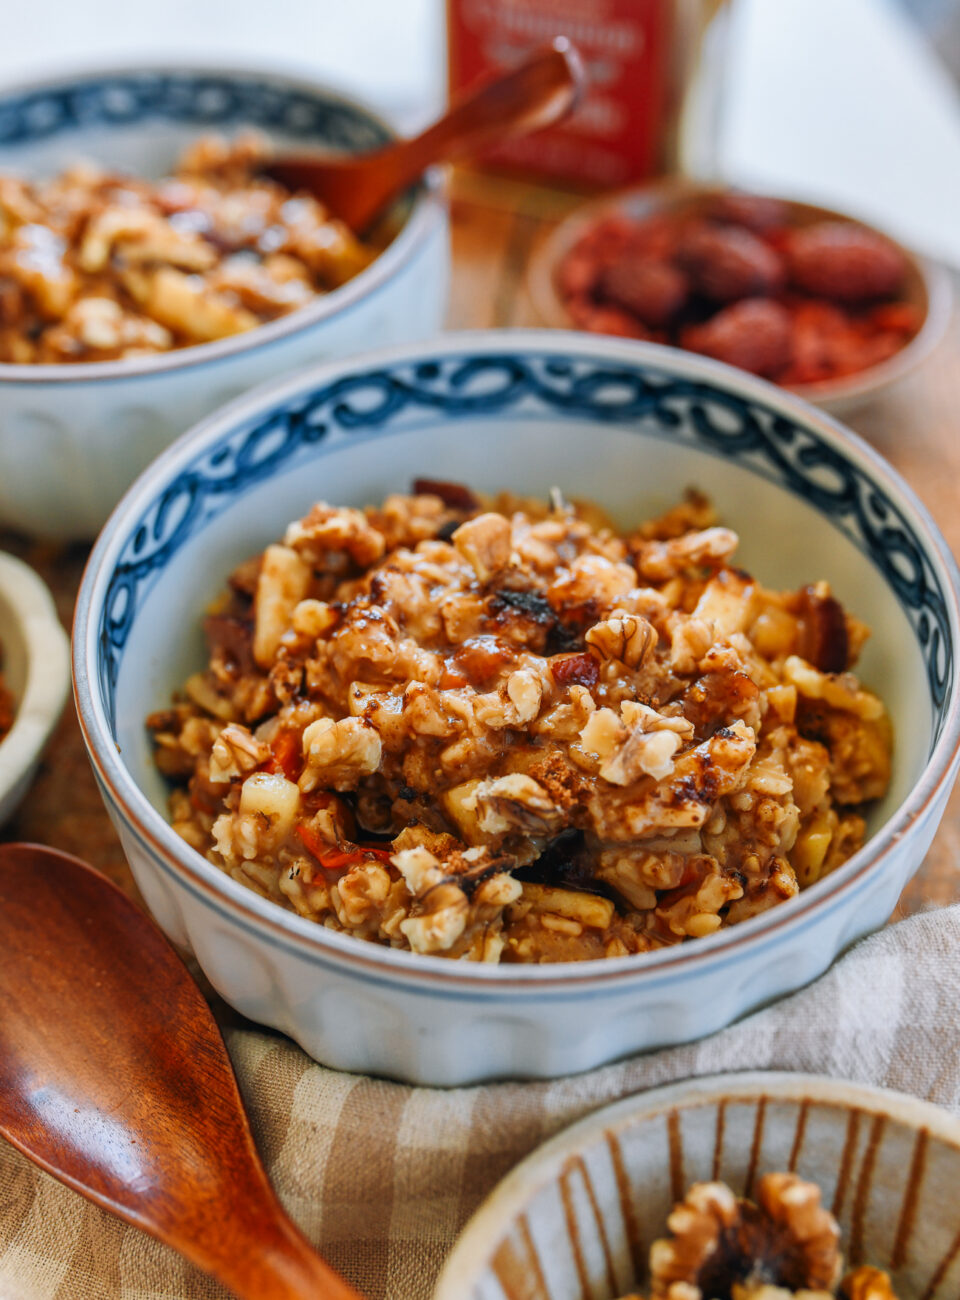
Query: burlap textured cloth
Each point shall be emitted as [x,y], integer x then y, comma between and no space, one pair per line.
[382,1177]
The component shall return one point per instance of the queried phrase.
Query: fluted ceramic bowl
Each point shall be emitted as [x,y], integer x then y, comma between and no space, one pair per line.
[631,426]
[74,437]
[577,1217]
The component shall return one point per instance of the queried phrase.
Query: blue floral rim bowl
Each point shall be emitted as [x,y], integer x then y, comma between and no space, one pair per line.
[630,426]
[73,437]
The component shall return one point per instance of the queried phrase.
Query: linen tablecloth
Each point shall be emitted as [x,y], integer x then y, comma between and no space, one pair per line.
[382,1176]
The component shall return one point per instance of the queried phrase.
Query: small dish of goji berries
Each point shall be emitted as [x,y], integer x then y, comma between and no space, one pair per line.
[806,297]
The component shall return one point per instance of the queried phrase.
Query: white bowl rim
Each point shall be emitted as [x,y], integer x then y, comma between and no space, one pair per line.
[48,669]
[465,979]
[845,389]
[426,212]
[484,1229]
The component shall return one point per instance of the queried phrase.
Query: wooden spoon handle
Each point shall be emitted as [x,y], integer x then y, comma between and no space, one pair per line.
[286,1268]
[540,91]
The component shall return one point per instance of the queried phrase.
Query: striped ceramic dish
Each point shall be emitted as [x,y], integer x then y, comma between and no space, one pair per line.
[575,1220]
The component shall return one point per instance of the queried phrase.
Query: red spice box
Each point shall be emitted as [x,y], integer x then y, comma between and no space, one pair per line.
[643,58]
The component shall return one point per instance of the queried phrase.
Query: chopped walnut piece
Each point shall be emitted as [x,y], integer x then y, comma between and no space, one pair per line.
[720,1242]
[514,802]
[867,1283]
[661,561]
[626,638]
[235,752]
[330,528]
[185,305]
[337,753]
[794,1205]
[484,542]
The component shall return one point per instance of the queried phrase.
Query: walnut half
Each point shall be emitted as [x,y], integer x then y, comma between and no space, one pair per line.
[722,1244]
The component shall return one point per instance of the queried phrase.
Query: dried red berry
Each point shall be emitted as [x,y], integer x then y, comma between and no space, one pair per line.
[652,290]
[453,495]
[726,263]
[843,261]
[755,335]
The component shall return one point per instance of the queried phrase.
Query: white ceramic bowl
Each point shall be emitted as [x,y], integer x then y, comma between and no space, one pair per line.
[73,437]
[561,1226]
[627,424]
[928,285]
[35,661]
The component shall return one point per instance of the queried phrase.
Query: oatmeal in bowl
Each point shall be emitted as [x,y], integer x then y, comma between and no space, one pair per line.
[502,731]
[96,265]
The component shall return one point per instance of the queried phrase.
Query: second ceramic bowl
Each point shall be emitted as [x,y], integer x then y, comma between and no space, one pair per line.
[73,437]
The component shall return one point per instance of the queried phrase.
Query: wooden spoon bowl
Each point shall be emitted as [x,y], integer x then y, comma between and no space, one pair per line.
[114,1078]
[541,90]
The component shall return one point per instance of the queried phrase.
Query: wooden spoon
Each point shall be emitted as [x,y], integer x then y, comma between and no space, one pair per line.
[541,90]
[114,1078]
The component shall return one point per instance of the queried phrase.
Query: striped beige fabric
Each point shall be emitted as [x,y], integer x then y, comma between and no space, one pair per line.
[382,1176]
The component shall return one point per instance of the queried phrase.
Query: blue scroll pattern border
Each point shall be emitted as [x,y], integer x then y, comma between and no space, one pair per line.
[206,100]
[639,396]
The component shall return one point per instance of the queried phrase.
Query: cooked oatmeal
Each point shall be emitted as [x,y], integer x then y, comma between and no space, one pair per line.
[96,266]
[784,1246]
[499,730]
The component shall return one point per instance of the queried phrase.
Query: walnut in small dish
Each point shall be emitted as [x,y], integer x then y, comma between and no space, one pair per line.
[783,1246]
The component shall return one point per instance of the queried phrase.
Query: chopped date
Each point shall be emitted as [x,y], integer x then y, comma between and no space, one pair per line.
[232,638]
[575,669]
[530,604]
[482,658]
[455,496]
[715,696]
[445,531]
[824,640]
[243,580]
[567,862]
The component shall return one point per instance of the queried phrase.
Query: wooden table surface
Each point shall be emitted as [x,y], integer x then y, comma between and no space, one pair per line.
[496,225]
